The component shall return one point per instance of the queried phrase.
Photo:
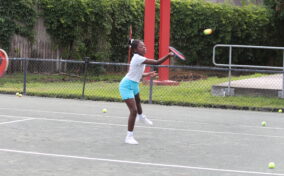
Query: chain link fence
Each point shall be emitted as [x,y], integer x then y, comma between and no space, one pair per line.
[188,85]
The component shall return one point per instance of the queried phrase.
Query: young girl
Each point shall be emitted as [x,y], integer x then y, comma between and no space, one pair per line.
[129,86]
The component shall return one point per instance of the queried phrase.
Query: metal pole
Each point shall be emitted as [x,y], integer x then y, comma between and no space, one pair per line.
[164,37]
[282,96]
[151,88]
[87,59]
[149,29]
[230,72]
[25,77]
[245,46]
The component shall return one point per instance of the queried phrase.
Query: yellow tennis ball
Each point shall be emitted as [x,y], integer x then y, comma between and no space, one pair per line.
[280,110]
[207,31]
[17,94]
[20,95]
[263,123]
[104,110]
[271,165]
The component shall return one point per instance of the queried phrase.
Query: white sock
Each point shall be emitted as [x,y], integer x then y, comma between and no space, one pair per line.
[129,133]
[140,116]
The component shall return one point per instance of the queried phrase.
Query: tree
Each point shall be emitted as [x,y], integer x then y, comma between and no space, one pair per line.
[277,6]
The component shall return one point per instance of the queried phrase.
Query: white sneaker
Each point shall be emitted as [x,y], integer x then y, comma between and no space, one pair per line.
[130,140]
[144,119]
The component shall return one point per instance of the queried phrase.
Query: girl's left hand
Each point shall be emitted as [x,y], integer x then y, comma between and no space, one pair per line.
[152,74]
[171,54]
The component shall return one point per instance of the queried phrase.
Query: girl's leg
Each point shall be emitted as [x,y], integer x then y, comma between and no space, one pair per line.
[141,117]
[131,104]
[138,103]
[131,121]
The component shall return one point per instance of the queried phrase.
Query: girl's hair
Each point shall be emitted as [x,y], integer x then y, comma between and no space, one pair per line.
[134,44]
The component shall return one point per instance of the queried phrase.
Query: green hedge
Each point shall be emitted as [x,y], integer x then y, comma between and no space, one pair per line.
[16,17]
[232,25]
[277,10]
[99,28]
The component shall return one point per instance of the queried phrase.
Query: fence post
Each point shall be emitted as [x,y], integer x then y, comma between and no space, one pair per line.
[87,59]
[25,77]
[230,72]
[151,87]
[282,96]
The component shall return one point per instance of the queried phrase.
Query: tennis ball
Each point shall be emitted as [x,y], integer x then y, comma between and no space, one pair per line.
[207,31]
[104,110]
[20,95]
[17,94]
[280,110]
[271,165]
[263,123]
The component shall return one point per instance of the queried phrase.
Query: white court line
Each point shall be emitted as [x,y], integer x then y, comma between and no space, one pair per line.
[139,163]
[16,121]
[163,120]
[154,128]
[162,128]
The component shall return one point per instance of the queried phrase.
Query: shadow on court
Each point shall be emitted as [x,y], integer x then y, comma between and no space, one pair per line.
[47,136]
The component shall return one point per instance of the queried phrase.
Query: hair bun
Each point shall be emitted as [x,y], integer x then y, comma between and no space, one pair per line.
[130,41]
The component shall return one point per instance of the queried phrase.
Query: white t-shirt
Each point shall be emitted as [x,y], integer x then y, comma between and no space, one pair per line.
[136,68]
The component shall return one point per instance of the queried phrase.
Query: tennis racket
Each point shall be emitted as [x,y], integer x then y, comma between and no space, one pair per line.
[177,53]
[4,62]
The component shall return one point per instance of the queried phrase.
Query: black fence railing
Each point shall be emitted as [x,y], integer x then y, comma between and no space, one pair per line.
[187,85]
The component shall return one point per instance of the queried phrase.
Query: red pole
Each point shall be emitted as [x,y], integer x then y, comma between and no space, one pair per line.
[149,30]
[129,48]
[165,13]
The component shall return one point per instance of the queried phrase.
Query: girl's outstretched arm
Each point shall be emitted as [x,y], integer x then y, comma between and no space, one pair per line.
[159,61]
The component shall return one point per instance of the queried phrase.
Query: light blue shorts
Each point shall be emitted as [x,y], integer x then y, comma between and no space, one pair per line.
[128,88]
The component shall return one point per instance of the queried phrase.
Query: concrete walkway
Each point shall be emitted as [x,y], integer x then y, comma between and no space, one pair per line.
[270,86]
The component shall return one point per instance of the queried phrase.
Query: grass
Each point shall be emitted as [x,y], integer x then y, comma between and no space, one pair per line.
[192,93]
